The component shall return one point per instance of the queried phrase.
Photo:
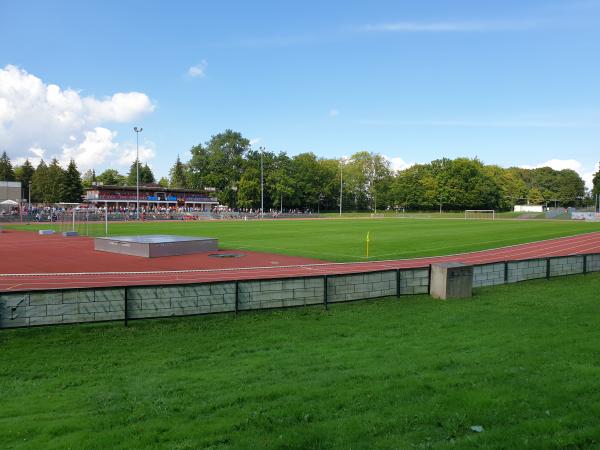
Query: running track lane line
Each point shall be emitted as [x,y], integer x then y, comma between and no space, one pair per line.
[584,243]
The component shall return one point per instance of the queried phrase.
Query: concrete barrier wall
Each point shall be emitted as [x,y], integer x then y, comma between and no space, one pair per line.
[184,300]
[56,307]
[414,281]
[568,265]
[22,309]
[488,275]
[526,270]
[280,293]
[342,288]
[593,263]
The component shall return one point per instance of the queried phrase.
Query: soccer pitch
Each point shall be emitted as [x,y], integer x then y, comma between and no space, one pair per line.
[343,240]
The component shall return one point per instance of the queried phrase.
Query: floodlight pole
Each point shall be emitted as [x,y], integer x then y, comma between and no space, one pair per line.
[137,170]
[341,183]
[262,189]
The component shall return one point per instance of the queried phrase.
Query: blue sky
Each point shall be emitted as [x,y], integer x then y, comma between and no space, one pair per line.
[511,82]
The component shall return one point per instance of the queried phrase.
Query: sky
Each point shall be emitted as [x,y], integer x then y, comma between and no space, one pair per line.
[514,83]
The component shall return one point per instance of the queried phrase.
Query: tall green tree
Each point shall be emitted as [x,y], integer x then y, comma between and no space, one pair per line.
[306,180]
[24,173]
[72,191]
[219,164]
[178,174]
[89,178]
[55,183]
[571,188]
[330,187]
[535,196]
[146,175]
[7,172]
[112,177]
[279,182]
[39,183]
[596,183]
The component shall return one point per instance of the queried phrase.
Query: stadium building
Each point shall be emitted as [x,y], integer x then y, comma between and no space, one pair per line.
[151,197]
[10,190]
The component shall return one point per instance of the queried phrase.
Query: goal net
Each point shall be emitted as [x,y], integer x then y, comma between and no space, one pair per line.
[488,214]
[84,221]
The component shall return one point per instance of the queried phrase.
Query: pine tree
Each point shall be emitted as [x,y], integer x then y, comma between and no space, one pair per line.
[56,180]
[178,174]
[146,175]
[72,186]
[7,172]
[39,183]
[24,174]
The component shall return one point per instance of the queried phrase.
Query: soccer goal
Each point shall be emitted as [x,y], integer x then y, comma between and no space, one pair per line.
[488,214]
[83,221]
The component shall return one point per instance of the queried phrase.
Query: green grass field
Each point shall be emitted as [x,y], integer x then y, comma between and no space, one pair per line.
[519,360]
[344,239]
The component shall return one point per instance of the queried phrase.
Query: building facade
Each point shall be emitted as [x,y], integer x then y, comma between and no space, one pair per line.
[10,190]
[151,197]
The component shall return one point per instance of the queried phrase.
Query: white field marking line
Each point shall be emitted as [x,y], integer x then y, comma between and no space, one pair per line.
[305,267]
[292,249]
[293,266]
[483,242]
[320,254]
[556,248]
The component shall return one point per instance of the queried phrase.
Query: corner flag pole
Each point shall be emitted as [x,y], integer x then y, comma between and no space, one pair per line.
[368,240]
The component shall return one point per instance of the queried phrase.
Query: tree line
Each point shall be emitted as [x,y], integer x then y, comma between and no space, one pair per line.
[229,164]
[51,183]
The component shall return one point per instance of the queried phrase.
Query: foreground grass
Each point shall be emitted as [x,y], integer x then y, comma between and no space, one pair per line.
[521,360]
[344,239]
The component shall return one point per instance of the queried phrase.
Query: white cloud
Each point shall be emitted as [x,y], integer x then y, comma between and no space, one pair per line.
[557,164]
[39,120]
[97,147]
[128,152]
[255,141]
[447,27]
[199,70]
[334,113]
[121,107]
[398,163]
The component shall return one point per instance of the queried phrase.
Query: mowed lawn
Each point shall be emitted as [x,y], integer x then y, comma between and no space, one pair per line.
[520,361]
[344,239]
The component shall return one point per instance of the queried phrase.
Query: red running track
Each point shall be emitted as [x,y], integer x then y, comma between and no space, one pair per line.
[32,262]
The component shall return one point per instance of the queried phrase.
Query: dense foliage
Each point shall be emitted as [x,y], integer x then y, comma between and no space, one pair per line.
[229,164]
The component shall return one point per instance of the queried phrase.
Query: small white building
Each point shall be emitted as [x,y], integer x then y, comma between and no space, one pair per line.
[530,208]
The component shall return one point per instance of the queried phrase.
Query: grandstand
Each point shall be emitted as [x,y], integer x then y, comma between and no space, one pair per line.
[151,197]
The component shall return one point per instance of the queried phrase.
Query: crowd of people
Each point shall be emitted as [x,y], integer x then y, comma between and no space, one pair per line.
[57,213]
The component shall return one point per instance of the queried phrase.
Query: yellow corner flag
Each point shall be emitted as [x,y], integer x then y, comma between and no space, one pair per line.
[368,240]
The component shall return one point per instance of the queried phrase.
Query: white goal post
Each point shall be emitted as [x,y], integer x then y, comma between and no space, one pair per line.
[480,214]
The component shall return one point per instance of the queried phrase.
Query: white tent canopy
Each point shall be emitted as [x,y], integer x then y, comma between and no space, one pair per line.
[9,203]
